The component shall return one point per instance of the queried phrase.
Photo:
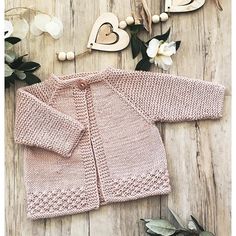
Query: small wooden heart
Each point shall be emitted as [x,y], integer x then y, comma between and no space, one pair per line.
[106,36]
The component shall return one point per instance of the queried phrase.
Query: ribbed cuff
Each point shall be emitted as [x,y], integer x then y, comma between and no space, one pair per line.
[216,107]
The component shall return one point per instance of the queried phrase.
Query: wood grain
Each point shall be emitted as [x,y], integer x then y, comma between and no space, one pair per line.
[198,153]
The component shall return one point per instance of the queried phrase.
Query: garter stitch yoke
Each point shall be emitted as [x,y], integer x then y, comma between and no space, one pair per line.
[90,138]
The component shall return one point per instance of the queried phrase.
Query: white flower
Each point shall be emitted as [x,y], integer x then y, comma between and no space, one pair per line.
[21,28]
[40,24]
[160,53]
[8,28]
[18,27]
[45,23]
[54,28]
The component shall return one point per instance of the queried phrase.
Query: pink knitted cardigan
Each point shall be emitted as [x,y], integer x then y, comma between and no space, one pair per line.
[90,138]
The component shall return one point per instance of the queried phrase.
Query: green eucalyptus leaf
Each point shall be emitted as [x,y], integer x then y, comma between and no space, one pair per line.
[135,45]
[134,29]
[18,61]
[143,64]
[7,84]
[177,218]
[146,220]
[200,228]
[161,226]
[163,37]
[12,40]
[206,233]
[148,231]
[29,66]
[8,46]
[177,45]
[143,48]
[12,78]
[31,78]
[192,226]
[20,74]
[10,56]
[8,70]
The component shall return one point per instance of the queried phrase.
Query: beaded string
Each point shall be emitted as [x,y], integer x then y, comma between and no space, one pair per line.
[130,20]
[155,19]
[69,56]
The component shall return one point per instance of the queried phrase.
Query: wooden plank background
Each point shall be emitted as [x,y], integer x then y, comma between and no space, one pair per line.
[198,152]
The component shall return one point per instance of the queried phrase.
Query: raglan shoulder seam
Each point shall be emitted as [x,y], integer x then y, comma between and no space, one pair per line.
[131,103]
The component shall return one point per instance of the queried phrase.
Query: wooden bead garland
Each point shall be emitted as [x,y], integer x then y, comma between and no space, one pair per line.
[122,24]
[129,20]
[155,19]
[164,16]
[69,56]
[63,56]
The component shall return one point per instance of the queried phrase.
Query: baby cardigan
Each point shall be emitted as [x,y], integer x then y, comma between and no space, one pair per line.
[90,138]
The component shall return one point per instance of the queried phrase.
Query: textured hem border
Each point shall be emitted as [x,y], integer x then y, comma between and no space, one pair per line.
[165,191]
[155,182]
[55,203]
[73,211]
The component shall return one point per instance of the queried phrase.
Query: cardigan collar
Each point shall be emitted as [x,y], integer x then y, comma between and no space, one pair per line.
[89,77]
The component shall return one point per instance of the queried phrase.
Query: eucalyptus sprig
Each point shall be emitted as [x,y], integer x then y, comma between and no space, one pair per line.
[162,227]
[16,68]
[138,45]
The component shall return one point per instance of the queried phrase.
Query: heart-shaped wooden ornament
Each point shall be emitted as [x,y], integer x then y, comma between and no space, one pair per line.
[106,36]
[183,5]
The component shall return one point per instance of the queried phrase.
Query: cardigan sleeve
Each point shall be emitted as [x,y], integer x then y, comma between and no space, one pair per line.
[164,97]
[39,124]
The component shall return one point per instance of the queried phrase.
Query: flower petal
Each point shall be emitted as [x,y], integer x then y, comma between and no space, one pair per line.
[8,70]
[21,28]
[162,48]
[152,60]
[8,46]
[164,62]
[153,47]
[54,28]
[8,28]
[41,20]
[10,56]
[58,21]
[167,49]
[20,74]
[34,29]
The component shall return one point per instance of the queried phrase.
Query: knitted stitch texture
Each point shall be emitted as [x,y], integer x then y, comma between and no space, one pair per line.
[90,138]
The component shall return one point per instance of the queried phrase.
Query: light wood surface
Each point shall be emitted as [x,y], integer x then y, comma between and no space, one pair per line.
[198,153]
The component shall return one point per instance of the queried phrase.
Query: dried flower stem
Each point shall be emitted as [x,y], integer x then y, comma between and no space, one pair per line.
[21,8]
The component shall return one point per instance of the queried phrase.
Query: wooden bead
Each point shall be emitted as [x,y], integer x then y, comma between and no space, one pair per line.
[155,19]
[129,20]
[164,16]
[123,24]
[61,56]
[70,56]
